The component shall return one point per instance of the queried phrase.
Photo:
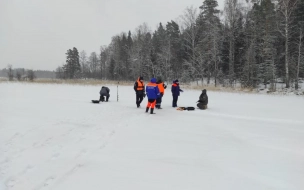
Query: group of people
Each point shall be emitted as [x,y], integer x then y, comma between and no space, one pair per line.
[155,90]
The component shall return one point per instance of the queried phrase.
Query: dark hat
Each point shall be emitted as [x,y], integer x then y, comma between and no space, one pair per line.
[176,81]
[141,78]
[204,91]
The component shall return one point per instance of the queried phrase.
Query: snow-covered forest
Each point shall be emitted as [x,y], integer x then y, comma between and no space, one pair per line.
[249,43]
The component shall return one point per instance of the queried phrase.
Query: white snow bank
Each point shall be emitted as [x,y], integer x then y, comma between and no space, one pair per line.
[52,137]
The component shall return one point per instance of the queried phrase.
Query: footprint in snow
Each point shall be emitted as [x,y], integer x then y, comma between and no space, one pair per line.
[81,153]
[10,183]
[27,169]
[48,181]
[56,155]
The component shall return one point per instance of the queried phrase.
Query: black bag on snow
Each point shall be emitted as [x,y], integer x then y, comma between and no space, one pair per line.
[186,108]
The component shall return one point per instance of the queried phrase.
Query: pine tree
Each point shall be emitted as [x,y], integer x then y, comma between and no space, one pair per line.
[174,48]
[68,67]
[103,61]
[72,67]
[159,51]
[268,27]
[76,64]
[231,15]
[129,51]
[209,24]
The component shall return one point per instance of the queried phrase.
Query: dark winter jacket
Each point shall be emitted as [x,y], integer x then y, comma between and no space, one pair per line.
[203,99]
[152,90]
[139,86]
[105,91]
[175,89]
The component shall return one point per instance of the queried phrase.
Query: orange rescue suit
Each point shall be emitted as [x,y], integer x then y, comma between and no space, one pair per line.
[161,88]
[140,85]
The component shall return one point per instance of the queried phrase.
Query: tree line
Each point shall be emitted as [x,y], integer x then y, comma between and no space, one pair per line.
[25,74]
[248,43]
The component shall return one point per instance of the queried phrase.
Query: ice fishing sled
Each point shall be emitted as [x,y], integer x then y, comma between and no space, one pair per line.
[95,101]
[185,108]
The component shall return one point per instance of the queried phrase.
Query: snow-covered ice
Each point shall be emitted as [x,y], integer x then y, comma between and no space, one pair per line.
[53,137]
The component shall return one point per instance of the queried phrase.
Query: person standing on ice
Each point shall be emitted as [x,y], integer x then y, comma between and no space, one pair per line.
[152,93]
[161,87]
[139,88]
[203,100]
[104,92]
[175,89]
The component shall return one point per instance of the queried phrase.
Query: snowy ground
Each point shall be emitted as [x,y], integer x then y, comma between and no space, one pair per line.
[52,137]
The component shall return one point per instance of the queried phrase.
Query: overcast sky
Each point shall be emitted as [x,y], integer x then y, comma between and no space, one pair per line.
[36,34]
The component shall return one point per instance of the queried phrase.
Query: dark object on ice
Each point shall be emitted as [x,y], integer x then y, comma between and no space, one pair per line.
[104,92]
[203,100]
[201,106]
[151,111]
[185,108]
[95,101]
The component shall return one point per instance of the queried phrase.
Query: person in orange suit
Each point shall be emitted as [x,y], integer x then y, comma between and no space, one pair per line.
[161,87]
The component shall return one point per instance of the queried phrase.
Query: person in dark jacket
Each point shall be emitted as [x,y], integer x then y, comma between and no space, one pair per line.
[139,88]
[203,100]
[152,93]
[104,92]
[161,87]
[175,89]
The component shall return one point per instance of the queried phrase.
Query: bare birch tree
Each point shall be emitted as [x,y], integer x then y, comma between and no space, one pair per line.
[190,32]
[300,55]
[10,73]
[286,8]
[83,63]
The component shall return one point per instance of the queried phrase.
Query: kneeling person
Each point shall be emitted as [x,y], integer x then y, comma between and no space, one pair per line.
[203,100]
[104,92]
[152,93]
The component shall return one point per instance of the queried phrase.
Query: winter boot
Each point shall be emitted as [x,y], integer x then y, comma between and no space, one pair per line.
[147,109]
[151,112]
